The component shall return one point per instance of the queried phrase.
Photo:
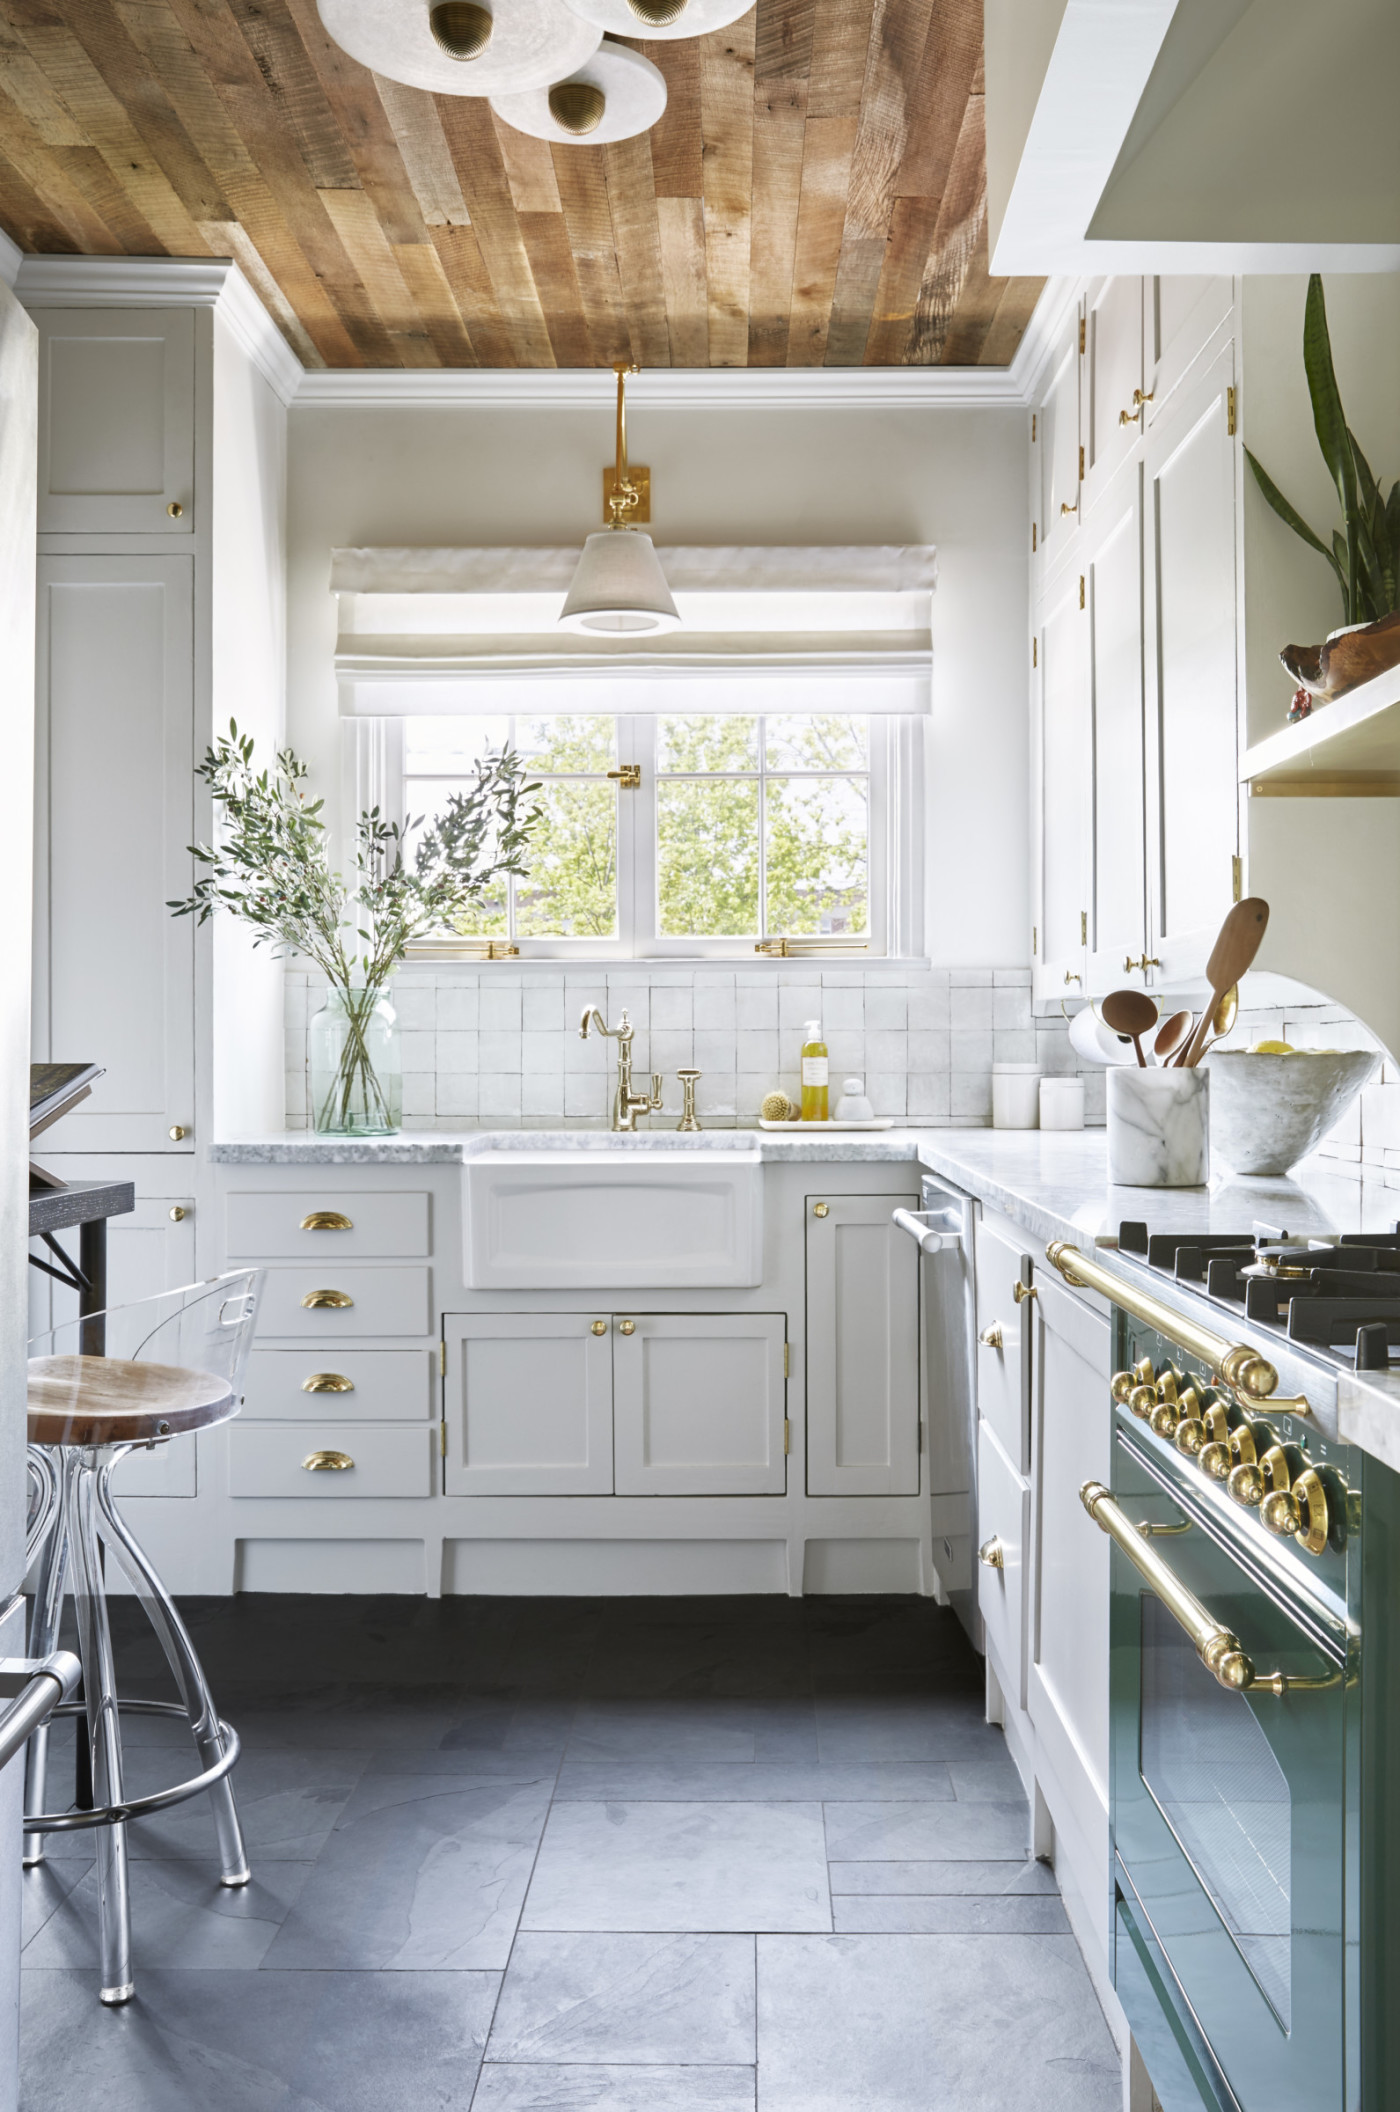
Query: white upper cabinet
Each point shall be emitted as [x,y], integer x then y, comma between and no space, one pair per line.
[1118,908]
[1064,753]
[116,428]
[114,971]
[1189,468]
[1058,444]
[1113,380]
[862,1348]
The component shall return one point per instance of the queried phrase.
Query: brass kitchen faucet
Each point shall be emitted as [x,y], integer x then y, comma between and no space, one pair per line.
[627,1105]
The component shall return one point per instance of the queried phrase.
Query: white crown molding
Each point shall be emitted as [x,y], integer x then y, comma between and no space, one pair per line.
[11,257]
[166,282]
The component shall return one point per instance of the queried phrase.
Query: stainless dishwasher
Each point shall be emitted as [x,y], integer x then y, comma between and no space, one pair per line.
[943,1228]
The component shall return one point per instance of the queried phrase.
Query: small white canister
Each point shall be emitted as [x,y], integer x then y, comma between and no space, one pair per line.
[1015,1095]
[1062,1103]
[1159,1128]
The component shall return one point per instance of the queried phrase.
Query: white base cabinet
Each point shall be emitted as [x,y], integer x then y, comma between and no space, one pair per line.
[700,1404]
[528,1404]
[863,1345]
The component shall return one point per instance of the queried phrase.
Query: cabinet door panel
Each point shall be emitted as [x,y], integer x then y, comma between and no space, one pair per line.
[1004,1369]
[1059,438]
[385,1385]
[699,1401]
[1118,917]
[528,1404]
[862,1349]
[261,1223]
[269,1459]
[1115,369]
[1195,812]
[386,1301]
[114,979]
[1065,779]
[1003,1511]
[116,421]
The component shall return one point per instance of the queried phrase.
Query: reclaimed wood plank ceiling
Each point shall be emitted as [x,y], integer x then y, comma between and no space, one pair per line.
[815,194]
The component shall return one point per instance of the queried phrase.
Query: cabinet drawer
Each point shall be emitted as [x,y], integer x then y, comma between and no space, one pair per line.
[268,1459]
[1003,1368]
[264,1226]
[385,1385]
[1003,1514]
[382,1302]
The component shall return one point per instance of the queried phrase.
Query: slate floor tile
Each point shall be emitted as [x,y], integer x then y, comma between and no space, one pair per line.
[916,1728]
[640,1866]
[950,1914]
[580,2089]
[866,1832]
[1007,2023]
[646,1781]
[420,1872]
[287,1804]
[255,2042]
[929,1878]
[43,1890]
[993,1779]
[180,1916]
[631,1999]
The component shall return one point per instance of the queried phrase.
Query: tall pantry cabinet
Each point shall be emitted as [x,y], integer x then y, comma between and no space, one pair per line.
[162,425]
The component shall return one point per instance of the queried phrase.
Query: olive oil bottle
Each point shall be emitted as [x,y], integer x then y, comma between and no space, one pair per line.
[814,1074]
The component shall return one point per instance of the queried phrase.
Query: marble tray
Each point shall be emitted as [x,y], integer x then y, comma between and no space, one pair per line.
[876,1122]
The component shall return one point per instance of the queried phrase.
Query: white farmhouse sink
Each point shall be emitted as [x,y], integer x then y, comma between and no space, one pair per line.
[613,1219]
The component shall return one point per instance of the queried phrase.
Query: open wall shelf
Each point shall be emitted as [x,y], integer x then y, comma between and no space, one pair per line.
[1350,749]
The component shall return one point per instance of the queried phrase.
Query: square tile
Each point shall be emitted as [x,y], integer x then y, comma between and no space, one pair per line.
[498,1096]
[962,1914]
[756,1008]
[681,1866]
[180,1915]
[571,2089]
[886,1007]
[971,1008]
[542,1010]
[458,1006]
[928,1880]
[542,1093]
[627,1998]
[926,1832]
[500,1008]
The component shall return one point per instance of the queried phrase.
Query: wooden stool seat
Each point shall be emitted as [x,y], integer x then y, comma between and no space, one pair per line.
[77,1400]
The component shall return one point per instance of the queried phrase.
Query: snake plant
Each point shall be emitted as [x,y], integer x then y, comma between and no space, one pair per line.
[1365,552]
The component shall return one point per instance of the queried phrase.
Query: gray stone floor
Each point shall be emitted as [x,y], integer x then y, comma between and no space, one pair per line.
[741,1855]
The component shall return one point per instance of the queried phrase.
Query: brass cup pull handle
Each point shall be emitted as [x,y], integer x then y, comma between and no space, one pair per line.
[327,1221]
[317,1301]
[1217,1647]
[991,1554]
[327,1382]
[991,1336]
[327,1462]
[627,1327]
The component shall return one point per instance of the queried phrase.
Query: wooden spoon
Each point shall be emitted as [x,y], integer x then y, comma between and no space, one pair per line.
[1171,1034]
[1129,1012]
[1231,956]
[1222,1019]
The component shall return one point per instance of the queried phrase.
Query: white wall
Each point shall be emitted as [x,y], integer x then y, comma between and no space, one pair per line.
[954,478]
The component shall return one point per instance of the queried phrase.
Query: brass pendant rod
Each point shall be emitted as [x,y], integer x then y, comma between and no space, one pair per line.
[623,494]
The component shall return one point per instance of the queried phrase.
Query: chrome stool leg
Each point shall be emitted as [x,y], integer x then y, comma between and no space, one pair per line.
[189,1677]
[104,1730]
[44,1618]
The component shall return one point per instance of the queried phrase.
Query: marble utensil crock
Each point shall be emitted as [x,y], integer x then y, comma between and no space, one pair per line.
[1158,1128]
[1271,1111]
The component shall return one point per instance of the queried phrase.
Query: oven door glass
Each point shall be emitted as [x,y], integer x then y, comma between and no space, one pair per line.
[1229,1809]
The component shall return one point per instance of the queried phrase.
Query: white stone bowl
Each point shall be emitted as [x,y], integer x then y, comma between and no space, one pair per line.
[1267,1112]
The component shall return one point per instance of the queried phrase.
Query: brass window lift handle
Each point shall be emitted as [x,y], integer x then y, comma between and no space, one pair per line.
[1217,1647]
[317,1301]
[628,778]
[327,1221]
[327,1462]
[327,1382]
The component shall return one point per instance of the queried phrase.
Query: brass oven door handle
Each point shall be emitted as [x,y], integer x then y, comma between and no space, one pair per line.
[1217,1647]
[1241,1367]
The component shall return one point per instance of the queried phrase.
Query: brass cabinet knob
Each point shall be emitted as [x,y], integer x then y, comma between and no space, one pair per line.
[992,1554]
[178,1213]
[178,1132]
[327,1382]
[175,510]
[821,1209]
[316,1301]
[327,1462]
[599,1327]
[1066,508]
[991,1336]
[327,1221]
[627,1327]
[1023,1292]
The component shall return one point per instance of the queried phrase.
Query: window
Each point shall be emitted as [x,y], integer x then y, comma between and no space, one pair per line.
[744,829]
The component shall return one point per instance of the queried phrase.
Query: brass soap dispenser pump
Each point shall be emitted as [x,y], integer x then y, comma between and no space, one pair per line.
[815,1069]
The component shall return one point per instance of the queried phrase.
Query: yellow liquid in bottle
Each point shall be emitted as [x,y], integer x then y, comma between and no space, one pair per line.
[814,1078]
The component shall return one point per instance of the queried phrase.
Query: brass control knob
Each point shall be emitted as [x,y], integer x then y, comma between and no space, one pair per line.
[1246,1484]
[1279,1512]
[1190,1435]
[1169,1383]
[1214,1459]
[991,1554]
[1121,1385]
[1164,1419]
[1141,1402]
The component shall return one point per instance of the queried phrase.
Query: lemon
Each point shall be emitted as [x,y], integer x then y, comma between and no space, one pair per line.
[1274,1048]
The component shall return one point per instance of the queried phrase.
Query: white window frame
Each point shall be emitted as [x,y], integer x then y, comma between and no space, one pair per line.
[374,775]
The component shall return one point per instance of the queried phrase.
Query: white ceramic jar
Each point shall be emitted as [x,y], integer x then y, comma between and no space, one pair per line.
[1159,1127]
[1015,1095]
[1062,1103]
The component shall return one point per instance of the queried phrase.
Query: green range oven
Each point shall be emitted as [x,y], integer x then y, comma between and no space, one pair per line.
[1254,1670]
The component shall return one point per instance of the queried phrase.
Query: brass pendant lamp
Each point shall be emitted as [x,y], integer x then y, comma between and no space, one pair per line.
[619,586]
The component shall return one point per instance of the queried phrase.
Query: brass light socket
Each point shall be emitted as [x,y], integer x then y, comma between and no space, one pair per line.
[461,28]
[658,14]
[577,106]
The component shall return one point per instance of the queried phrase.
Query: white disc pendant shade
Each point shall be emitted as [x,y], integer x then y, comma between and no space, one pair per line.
[620,19]
[619,587]
[532,43]
[634,96]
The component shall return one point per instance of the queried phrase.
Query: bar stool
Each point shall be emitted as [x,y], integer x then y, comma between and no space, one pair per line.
[99,1387]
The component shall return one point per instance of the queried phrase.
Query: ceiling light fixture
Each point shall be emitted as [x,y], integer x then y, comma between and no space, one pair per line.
[461,28]
[614,95]
[619,585]
[663,18]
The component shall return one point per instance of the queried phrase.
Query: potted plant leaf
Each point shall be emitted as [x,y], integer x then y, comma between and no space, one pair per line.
[1364,552]
[271,869]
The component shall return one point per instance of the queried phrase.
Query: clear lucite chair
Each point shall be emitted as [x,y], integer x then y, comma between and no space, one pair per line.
[99,1387]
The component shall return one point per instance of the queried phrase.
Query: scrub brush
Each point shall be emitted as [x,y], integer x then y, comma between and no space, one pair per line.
[778,1108]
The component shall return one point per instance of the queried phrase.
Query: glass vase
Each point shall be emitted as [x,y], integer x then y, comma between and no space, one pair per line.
[356,1066]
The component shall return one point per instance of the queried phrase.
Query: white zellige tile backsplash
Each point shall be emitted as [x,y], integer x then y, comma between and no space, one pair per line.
[498,1045]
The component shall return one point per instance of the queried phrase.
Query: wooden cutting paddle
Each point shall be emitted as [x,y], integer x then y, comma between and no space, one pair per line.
[1129,1012]
[1231,957]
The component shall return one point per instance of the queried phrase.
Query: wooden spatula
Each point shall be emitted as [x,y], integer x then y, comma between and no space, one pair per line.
[1231,957]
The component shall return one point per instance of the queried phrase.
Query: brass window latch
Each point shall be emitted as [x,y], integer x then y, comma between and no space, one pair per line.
[628,776]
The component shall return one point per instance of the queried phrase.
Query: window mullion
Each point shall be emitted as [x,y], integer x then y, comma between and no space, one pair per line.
[762,827]
[636,876]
